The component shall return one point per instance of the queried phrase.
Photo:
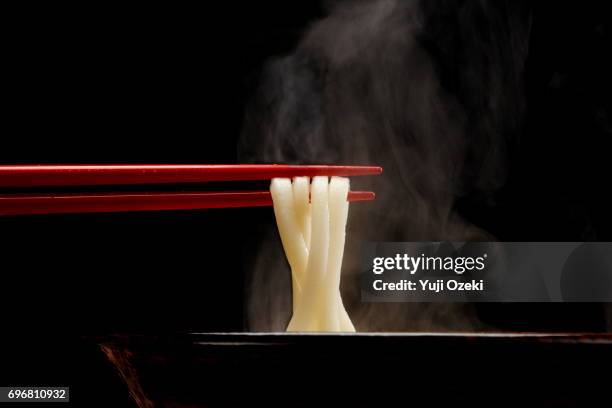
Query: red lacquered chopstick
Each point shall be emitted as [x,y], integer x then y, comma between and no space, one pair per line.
[89,175]
[26,204]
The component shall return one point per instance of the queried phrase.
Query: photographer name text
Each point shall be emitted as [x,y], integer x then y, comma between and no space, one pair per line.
[427,285]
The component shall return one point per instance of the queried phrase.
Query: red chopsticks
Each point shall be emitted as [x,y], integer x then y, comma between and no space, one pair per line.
[95,175]
[109,175]
[121,202]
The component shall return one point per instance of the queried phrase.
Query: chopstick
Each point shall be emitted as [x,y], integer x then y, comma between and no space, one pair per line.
[32,176]
[29,204]
[17,176]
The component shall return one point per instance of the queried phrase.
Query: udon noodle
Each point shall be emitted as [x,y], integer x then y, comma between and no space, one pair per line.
[311,220]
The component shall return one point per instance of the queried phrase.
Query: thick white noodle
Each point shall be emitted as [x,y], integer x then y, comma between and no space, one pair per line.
[336,317]
[306,315]
[301,196]
[290,233]
[338,190]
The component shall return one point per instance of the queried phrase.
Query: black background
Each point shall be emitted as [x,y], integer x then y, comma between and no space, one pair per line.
[112,84]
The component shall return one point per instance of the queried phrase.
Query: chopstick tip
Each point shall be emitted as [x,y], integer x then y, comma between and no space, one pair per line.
[361,196]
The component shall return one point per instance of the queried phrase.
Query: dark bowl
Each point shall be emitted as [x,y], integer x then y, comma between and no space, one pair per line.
[378,369]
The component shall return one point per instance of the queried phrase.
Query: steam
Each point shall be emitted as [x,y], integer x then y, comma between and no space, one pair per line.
[431,91]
